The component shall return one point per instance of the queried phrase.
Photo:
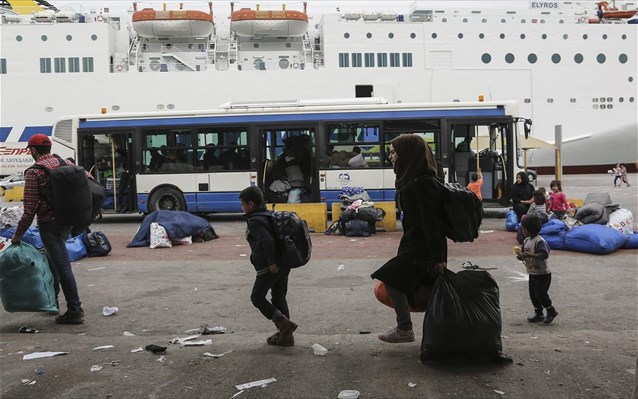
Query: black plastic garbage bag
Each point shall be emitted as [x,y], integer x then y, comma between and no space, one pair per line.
[463,318]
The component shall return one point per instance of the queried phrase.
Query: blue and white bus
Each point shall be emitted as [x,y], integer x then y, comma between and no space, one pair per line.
[295,151]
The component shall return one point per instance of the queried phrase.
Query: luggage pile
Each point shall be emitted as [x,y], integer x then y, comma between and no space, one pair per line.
[358,215]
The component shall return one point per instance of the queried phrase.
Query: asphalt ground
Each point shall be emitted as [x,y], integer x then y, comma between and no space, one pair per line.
[589,351]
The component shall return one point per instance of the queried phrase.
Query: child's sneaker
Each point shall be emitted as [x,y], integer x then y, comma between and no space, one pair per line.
[551,314]
[396,335]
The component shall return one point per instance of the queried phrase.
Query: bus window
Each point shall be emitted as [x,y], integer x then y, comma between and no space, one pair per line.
[429,130]
[223,148]
[353,145]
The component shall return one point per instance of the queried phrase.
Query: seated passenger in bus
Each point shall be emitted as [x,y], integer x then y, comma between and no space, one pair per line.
[157,160]
[243,162]
[344,159]
[230,158]
[357,161]
[210,160]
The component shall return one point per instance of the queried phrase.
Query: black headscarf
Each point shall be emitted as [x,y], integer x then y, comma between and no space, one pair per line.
[414,158]
[523,190]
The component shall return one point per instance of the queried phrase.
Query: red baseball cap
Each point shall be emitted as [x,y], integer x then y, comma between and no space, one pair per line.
[39,140]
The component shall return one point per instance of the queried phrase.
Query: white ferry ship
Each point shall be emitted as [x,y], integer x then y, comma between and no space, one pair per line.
[568,63]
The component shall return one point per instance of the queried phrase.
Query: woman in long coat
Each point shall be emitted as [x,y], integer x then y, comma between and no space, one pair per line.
[422,251]
[522,194]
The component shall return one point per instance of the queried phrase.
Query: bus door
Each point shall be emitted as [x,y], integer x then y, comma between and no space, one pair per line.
[287,155]
[354,158]
[109,157]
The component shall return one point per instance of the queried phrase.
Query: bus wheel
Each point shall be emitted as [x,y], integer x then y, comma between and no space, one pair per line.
[167,198]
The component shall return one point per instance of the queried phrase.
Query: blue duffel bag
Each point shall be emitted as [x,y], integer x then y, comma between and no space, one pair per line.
[594,238]
[511,221]
[31,236]
[632,241]
[75,248]
[26,282]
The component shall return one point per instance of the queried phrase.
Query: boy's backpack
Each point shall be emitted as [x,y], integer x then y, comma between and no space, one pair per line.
[291,238]
[71,196]
[462,213]
[96,243]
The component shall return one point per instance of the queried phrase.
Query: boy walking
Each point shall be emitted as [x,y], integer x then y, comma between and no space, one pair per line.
[535,254]
[270,276]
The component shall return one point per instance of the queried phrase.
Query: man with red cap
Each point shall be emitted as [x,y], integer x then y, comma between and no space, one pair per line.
[38,200]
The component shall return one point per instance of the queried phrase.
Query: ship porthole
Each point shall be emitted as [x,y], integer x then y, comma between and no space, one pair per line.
[509,58]
[486,58]
[622,58]
[555,58]
[605,36]
[578,58]
[18,38]
[69,38]
[631,79]
[532,58]
[44,38]
[601,58]
[346,35]
[369,35]
[434,35]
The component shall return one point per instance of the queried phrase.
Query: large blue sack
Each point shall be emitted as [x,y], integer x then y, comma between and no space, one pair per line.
[178,224]
[554,226]
[511,221]
[594,238]
[632,241]
[75,248]
[31,236]
[26,282]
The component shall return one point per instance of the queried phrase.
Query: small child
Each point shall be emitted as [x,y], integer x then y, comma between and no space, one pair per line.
[539,207]
[535,254]
[270,277]
[558,203]
[476,183]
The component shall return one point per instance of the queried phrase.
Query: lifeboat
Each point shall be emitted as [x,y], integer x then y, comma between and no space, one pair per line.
[613,12]
[150,23]
[269,23]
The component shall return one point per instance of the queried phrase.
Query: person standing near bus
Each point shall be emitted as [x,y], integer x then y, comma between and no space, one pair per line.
[476,184]
[37,200]
[422,252]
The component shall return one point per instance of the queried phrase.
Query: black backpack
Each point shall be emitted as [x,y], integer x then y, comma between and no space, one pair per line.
[291,238]
[462,212]
[96,243]
[72,202]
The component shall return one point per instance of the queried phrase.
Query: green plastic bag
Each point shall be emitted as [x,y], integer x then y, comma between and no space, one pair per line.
[26,282]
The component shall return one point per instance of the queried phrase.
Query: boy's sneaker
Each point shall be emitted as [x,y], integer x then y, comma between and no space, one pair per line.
[276,340]
[551,314]
[396,335]
[71,317]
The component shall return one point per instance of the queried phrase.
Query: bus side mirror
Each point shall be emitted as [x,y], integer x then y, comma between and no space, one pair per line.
[527,126]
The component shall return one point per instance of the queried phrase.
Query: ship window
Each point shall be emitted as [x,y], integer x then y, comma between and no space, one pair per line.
[94,37]
[502,35]
[356,60]
[602,99]
[601,58]
[624,37]
[45,65]
[346,35]
[382,60]
[460,35]
[542,21]
[87,64]
[481,35]
[284,63]
[288,45]
[486,58]
[59,64]
[523,21]
[622,58]
[369,35]
[74,64]
[69,38]
[631,79]
[19,38]
[595,106]
[434,35]
[585,36]
[407,59]
[610,99]
[484,20]
[527,100]
[3,66]
[509,58]
[594,100]
[169,106]
[603,106]
[565,36]
[115,108]
[160,106]
[44,38]
[610,106]
[413,35]
[550,100]
[391,35]
[621,99]
[255,45]
[572,100]
[48,109]
[578,58]
[561,21]
[544,36]
[522,35]
[605,36]
[503,20]
[444,20]
[368,59]
[532,58]
[555,58]
[343,60]
[395,61]
[631,99]
[464,20]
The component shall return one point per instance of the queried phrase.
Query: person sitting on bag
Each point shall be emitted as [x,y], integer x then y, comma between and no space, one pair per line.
[270,277]
[422,252]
